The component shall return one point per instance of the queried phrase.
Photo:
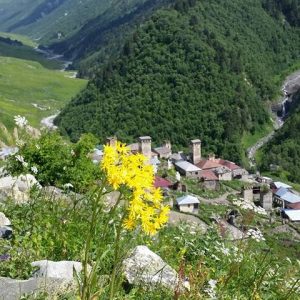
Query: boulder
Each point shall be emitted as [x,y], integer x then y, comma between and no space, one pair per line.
[13,289]
[17,188]
[4,221]
[59,270]
[5,232]
[144,267]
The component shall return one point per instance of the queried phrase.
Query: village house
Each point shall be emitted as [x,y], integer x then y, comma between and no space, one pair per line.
[277,185]
[209,179]
[188,203]
[224,169]
[284,197]
[164,151]
[187,169]
[223,173]
[163,183]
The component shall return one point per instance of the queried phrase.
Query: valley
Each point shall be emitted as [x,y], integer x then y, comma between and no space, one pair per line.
[149,149]
[32,85]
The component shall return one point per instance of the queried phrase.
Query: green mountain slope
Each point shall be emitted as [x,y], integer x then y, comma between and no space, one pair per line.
[103,36]
[284,149]
[201,69]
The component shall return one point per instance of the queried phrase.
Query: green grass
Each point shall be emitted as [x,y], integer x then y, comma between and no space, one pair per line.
[21,38]
[24,83]
[249,139]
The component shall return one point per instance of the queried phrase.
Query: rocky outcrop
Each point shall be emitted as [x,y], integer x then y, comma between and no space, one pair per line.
[52,278]
[145,268]
[4,221]
[59,270]
[13,289]
[5,229]
[17,188]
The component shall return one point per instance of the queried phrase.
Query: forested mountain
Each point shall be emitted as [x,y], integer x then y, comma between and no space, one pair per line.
[198,69]
[103,37]
[283,150]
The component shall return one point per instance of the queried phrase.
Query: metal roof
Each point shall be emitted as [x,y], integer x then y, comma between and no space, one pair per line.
[186,166]
[293,214]
[290,197]
[187,199]
[282,191]
[279,184]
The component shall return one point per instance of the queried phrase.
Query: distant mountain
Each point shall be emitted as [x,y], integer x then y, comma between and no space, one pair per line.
[199,69]
[88,31]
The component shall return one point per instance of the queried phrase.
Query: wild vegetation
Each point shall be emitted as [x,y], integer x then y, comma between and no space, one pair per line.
[199,69]
[48,226]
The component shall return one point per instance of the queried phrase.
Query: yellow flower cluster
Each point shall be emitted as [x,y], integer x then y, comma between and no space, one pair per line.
[145,205]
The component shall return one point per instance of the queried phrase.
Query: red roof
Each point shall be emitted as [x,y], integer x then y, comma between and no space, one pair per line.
[206,164]
[208,175]
[230,165]
[294,205]
[160,182]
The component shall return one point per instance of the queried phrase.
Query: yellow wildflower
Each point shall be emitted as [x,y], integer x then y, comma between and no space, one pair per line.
[145,202]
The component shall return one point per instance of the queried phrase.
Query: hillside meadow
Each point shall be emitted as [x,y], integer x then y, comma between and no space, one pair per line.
[29,89]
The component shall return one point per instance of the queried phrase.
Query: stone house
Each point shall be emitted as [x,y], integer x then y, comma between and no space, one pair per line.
[209,180]
[165,151]
[187,169]
[188,203]
[284,197]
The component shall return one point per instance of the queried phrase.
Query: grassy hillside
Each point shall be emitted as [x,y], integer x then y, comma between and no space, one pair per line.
[200,69]
[24,85]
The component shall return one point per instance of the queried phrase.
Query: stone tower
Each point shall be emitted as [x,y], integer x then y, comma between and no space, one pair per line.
[111,141]
[196,151]
[145,146]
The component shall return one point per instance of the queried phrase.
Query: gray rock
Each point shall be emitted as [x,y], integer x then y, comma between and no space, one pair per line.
[60,269]
[144,267]
[17,188]
[4,221]
[5,232]
[13,289]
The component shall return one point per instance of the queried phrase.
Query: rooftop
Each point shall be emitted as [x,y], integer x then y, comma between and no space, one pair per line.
[160,182]
[196,141]
[208,175]
[187,199]
[279,184]
[186,166]
[145,138]
[162,150]
[293,214]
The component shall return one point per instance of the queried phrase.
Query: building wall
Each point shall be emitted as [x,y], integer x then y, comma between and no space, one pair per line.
[239,172]
[211,184]
[186,208]
[193,174]
[196,151]
[266,200]
[248,194]
[225,176]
